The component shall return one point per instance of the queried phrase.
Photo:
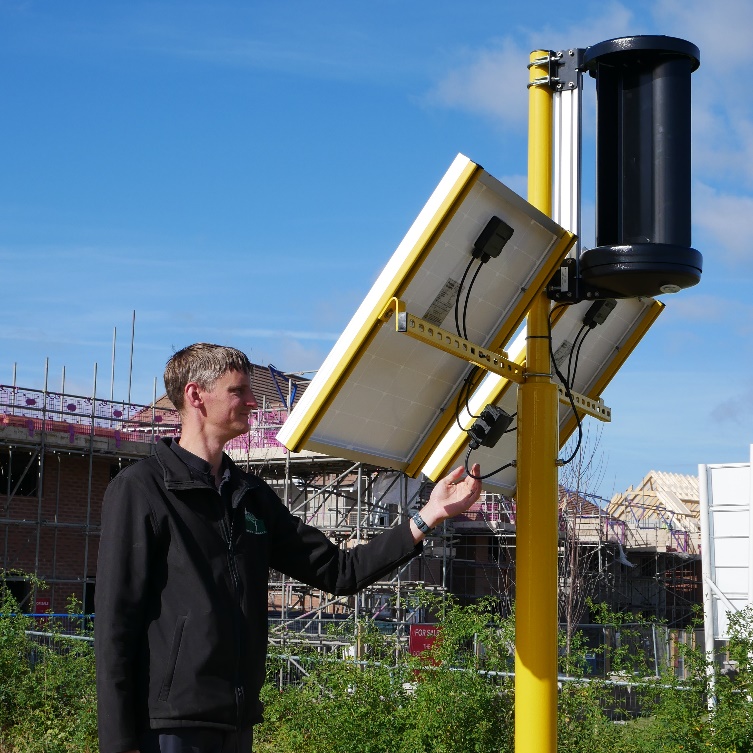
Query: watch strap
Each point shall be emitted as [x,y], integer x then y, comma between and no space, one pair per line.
[420,523]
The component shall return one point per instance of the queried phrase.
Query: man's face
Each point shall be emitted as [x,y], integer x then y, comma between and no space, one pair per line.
[228,404]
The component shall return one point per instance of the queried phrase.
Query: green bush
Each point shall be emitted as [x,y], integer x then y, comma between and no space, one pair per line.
[453,700]
[444,702]
[458,698]
[47,695]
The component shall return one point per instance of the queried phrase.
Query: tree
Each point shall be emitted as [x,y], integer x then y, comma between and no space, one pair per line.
[582,574]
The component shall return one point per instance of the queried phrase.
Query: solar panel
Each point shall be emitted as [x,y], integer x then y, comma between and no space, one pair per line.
[604,349]
[386,398]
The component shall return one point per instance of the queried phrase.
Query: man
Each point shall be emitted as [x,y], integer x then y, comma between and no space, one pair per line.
[187,542]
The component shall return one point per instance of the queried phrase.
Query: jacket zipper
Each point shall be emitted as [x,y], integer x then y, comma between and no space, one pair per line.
[235,577]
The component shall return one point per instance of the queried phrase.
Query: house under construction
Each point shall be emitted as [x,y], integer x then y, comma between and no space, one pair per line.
[58,452]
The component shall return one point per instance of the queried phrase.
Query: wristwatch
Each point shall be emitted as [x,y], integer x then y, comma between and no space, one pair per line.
[421,524]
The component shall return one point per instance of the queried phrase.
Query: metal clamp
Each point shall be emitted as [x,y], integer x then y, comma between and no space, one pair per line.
[564,69]
[547,60]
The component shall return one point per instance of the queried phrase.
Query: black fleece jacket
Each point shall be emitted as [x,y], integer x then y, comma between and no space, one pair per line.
[181,598]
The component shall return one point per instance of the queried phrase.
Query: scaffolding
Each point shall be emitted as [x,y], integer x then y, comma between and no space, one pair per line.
[641,559]
[58,451]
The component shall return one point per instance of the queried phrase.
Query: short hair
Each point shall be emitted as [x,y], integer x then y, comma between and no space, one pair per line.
[204,364]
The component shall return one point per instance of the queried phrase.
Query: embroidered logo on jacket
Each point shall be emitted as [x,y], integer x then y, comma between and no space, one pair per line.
[254,524]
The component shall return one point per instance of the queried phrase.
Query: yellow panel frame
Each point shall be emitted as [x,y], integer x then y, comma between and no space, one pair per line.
[301,434]
[368,330]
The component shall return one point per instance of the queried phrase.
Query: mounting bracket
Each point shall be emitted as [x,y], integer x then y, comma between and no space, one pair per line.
[497,363]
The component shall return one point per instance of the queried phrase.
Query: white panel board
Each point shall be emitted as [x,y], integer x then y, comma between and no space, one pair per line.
[726,492]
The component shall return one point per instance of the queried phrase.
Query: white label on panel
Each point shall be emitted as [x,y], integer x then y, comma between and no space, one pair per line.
[443,303]
[563,352]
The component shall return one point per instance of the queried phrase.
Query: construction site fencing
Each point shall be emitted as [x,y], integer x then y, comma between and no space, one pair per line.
[77,415]
[43,411]
[263,426]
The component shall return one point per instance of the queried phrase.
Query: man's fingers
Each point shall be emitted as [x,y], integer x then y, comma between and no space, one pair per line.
[454,476]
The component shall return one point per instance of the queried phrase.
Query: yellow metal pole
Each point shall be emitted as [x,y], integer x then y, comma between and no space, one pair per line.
[536,583]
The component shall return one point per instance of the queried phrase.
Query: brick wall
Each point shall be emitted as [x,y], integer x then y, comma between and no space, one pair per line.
[61,550]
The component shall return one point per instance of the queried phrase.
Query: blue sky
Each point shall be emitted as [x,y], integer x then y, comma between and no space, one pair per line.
[240,172]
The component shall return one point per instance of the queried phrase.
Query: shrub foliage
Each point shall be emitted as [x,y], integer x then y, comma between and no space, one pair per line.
[47,695]
[375,698]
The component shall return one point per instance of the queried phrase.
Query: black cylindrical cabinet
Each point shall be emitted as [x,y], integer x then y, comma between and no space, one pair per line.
[643,210]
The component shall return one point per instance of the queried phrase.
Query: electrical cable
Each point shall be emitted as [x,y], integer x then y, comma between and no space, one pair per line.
[457,297]
[485,475]
[474,372]
[468,383]
[577,357]
[596,314]
[467,387]
[576,347]
[470,386]
[568,392]
[467,298]
[464,396]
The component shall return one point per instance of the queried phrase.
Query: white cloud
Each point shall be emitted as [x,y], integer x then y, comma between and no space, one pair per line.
[599,22]
[722,107]
[722,138]
[294,355]
[722,119]
[493,84]
[70,256]
[707,309]
[27,335]
[726,221]
[492,81]
[281,334]
[721,30]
